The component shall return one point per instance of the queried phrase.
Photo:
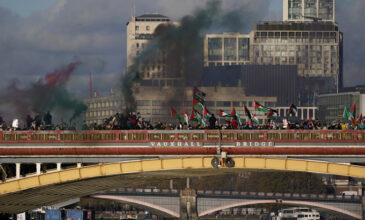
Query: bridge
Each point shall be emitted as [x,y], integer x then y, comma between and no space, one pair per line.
[173,203]
[106,160]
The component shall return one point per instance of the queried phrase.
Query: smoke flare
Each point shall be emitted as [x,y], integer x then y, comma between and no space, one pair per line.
[47,94]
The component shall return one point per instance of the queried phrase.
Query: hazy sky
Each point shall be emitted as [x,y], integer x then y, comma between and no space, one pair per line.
[38,36]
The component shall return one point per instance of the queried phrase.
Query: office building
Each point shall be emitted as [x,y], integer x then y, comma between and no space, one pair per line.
[331,106]
[140,30]
[309,10]
[227,49]
[257,80]
[154,103]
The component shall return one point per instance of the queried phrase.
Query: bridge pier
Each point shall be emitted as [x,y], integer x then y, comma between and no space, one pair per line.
[38,168]
[58,166]
[17,170]
[188,206]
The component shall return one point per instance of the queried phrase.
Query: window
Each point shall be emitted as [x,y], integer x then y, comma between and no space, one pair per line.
[137,45]
[143,102]
[137,28]
[223,103]
[147,28]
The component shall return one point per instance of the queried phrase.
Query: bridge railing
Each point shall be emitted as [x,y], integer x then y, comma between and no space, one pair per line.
[143,136]
[275,195]
[145,191]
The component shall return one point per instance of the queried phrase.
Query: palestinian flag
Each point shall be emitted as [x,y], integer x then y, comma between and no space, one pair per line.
[352,109]
[198,116]
[273,114]
[248,115]
[198,93]
[223,114]
[186,118]
[360,119]
[192,115]
[199,104]
[348,115]
[292,110]
[255,119]
[261,108]
[206,114]
[175,115]
[234,113]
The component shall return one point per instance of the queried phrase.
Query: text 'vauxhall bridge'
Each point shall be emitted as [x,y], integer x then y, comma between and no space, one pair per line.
[112,159]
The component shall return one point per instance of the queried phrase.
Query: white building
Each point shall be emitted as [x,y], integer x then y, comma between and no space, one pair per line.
[308,10]
[139,31]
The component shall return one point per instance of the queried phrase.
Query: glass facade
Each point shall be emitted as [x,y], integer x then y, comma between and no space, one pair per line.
[215,49]
[294,9]
[244,49]
[227,49]
[310,8]
[325,10]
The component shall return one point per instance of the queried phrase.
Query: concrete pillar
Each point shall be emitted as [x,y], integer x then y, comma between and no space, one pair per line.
[171,184]
[79,165]
[17,170]
[188,206]
[188,183]
[38,168]
[58,166]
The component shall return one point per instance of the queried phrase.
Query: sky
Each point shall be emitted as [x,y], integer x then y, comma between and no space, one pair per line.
[40,36]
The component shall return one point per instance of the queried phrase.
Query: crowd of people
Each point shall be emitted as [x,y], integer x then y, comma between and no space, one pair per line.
[134,121]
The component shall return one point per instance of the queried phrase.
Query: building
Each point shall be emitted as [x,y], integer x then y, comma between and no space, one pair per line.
[100,108]
[331,106]
[316,48]
[309,10]
[227,49]
[154,102]
[257,80]
[139,32]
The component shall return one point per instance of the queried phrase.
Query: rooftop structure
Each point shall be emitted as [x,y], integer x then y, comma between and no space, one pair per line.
[308,10]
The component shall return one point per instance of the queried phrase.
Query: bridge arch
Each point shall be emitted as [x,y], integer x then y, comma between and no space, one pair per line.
[199,165]
[291,202]
[137,202]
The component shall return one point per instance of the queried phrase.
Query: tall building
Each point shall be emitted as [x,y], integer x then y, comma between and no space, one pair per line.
[140,31]
[309,10]
[316,48]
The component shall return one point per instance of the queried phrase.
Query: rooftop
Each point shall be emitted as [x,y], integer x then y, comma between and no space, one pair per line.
[152,17]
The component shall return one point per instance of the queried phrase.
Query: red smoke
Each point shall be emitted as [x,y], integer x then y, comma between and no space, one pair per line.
[59,76]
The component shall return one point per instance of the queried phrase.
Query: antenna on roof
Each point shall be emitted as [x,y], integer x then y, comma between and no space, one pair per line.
[134,8]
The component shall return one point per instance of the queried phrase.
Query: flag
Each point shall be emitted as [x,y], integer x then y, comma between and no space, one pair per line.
[248,114]
[186,118]
[206,114]
[175,115]
[199,104]
[223,114]
[198,116]
[261,108]
[234,113]
[192,115]
[292,110]
[198,93]
[255,119]
[348,115]
[360,119]
[273,114]
[352,109]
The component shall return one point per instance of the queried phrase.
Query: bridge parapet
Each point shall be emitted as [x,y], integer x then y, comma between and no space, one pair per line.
[274,195]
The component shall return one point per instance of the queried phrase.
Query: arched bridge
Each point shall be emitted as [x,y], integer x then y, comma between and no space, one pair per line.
[169,201]
[26,193]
